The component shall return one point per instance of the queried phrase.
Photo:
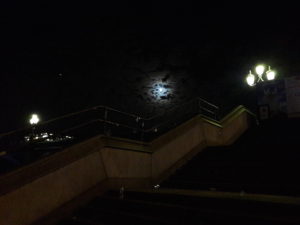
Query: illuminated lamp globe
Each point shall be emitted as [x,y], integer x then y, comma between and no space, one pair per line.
[271,75]
[34,119]
[260,69]
[250,79]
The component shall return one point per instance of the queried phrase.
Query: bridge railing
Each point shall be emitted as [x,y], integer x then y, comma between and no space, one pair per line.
[111,122]
[157,125]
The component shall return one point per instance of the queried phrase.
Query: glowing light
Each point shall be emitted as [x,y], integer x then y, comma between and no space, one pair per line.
[161,88]
[261,72]
[161,91]
[157,186]
[34,119]
[271,75]
[250,79]
[44,135]
[260,69]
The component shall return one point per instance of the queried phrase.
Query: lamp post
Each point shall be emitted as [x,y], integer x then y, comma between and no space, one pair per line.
[266,101]
[34,121]
[260,75]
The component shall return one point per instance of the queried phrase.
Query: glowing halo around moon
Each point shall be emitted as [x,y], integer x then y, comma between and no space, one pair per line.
[160,91]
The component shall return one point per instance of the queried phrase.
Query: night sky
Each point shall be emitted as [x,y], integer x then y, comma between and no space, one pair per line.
[57,59]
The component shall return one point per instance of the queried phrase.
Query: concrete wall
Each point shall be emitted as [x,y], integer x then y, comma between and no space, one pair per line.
[233,129]
[126,164]
[213,134]
[38,198]
[173,149]
[36,190]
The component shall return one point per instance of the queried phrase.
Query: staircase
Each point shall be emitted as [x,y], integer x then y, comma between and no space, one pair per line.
[253,181]
[54,180]
[264,160]
[23,147]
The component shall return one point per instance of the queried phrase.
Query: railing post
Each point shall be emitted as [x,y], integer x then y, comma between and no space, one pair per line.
[143,130]
[105,114]
[105,131]
[199,106]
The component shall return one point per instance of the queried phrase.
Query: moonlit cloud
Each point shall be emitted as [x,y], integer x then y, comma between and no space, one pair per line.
[159,89]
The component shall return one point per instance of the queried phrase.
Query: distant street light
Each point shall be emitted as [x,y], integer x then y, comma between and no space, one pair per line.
[34,119]
[260,72]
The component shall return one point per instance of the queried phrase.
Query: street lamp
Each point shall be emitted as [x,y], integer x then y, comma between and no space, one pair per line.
[271,75]
[260,73]
[34,121]
[260,69]
[250,79]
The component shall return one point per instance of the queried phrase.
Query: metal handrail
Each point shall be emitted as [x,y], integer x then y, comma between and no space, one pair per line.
[118,111]
[214,106]
[143,125]
[207,110]
[111,109]
[103,121]
[73,114]
[208,103]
